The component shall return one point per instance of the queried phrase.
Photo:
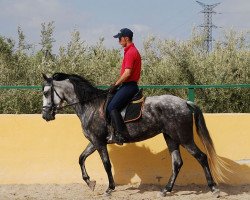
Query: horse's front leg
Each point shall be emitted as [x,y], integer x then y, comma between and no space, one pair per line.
[107,165]
[88,151]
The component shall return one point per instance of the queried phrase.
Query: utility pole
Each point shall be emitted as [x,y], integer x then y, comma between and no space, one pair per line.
[208,24]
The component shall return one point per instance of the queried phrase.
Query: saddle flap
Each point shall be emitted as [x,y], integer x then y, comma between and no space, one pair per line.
[138,95]
[132,111]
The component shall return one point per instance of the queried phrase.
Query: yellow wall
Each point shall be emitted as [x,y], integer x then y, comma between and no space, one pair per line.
[35,151]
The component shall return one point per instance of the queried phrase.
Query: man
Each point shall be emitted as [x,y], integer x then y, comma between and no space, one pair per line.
[126,86]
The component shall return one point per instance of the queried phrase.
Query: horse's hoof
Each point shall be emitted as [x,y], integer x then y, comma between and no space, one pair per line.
[162,194]
[216,193]
[108,193]
[91,185]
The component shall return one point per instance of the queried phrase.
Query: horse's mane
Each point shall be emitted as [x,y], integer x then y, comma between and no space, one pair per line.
[84,89]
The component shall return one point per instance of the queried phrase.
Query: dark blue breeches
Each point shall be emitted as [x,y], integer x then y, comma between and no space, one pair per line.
[123,96]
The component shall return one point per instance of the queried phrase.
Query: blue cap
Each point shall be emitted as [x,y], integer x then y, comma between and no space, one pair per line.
[125,32]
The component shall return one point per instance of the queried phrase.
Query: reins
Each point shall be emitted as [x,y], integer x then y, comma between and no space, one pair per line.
[85,101]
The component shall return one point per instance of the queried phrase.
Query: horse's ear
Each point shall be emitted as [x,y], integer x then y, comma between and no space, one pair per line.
[46,78]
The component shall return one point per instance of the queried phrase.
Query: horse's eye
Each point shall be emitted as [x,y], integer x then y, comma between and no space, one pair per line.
[45,93]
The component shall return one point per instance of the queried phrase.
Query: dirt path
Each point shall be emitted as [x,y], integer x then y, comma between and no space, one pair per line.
[81,192]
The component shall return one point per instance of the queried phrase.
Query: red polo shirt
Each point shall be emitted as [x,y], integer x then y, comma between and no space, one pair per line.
[132,60]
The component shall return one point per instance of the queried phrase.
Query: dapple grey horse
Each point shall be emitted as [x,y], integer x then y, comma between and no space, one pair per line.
[166,114]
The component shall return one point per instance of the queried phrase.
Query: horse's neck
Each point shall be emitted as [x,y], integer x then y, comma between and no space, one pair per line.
[85,111]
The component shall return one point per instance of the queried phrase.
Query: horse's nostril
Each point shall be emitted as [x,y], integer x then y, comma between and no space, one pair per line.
[44,116]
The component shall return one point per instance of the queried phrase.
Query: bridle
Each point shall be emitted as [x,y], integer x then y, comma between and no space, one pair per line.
[53,108]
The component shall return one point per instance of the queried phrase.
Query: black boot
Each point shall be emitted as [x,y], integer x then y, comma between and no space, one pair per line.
[120,128]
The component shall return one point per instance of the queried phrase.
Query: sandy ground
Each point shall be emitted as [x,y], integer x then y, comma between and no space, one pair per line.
[81,191]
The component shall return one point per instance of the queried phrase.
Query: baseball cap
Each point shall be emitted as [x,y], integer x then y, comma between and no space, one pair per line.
[125,32]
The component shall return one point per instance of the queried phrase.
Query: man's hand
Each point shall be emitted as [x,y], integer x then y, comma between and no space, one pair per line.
[112,89]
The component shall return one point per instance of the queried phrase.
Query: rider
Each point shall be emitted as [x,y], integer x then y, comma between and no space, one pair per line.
[126,86]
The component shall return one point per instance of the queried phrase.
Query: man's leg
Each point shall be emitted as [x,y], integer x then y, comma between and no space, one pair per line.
[119,101]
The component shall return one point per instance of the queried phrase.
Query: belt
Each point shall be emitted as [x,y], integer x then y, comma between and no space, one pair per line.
[130,82]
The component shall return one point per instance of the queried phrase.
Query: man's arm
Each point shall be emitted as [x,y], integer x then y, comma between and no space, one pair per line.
[126,74]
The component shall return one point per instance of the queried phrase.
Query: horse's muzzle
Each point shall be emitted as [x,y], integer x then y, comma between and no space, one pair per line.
[48,116]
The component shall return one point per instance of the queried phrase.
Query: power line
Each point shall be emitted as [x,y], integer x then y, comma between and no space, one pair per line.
[181,25]
[208,24]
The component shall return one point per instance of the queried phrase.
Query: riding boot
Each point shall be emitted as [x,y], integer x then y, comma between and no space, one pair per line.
[121,130]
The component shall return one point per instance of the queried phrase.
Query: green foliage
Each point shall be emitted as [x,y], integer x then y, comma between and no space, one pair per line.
[170,62]
[165,62]
[47,37]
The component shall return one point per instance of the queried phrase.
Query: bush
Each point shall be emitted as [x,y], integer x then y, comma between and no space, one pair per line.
[165,62]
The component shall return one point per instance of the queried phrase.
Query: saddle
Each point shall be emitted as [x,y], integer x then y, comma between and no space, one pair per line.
[132,111]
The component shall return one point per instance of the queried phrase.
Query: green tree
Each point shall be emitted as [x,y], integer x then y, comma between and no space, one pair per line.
[47,38]
[165,62]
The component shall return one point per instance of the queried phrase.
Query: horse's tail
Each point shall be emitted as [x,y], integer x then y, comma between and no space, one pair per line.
[215,162]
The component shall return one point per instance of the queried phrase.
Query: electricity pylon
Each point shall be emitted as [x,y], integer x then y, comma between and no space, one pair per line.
[208,24]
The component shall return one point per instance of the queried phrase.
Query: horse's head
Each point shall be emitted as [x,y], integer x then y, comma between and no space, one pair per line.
[72,88]
[53,97]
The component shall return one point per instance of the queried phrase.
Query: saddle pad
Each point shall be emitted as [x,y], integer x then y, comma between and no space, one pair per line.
[134,110]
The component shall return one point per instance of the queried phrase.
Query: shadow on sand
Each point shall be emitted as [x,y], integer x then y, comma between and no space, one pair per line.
[150,171]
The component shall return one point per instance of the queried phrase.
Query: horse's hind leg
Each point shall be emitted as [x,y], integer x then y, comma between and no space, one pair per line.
[176,163]
[202,159]
[88,151]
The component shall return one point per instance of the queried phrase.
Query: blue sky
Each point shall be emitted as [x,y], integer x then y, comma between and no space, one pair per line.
[104,18]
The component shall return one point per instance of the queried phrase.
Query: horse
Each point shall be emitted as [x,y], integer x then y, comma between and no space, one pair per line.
[165,114]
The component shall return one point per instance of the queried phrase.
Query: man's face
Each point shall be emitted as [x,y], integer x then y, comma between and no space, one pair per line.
[123,41]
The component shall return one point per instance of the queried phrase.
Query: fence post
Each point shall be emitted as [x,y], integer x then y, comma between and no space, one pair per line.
[191,94]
